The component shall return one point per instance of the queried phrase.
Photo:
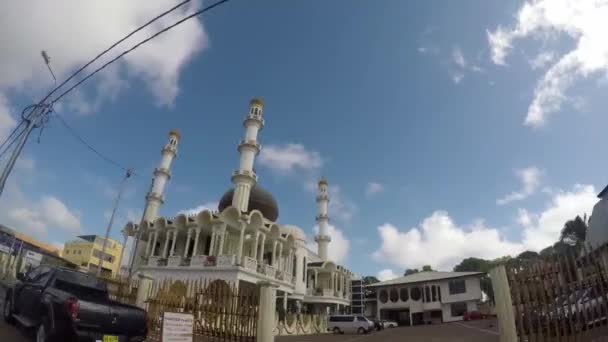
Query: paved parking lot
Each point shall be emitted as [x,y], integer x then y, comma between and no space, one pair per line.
[474,331]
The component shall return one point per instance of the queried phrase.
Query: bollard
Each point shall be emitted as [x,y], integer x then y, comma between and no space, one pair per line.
[145,283]
[266,312]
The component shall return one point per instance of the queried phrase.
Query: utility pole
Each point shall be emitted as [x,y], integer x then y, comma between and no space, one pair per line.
[33,120]
[116,202]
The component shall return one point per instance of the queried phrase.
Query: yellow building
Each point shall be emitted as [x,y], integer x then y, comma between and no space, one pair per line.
[86,252]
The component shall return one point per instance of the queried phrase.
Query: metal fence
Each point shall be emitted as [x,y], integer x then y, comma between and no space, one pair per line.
[121,289]
[563,298]
[222,311]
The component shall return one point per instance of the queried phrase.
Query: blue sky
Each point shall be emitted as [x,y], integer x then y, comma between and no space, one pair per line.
[446,129]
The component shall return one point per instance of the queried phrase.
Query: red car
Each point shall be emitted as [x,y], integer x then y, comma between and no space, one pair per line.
[473,315]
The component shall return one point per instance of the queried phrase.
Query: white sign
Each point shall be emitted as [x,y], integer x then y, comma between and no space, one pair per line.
[177,327]
[32,258]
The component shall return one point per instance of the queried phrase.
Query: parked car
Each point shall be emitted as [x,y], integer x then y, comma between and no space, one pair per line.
[66,305]
[389,324]
[340,324]
[473,315]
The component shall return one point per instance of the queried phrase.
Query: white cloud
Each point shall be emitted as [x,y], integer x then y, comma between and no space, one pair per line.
[542,59]
[193,211]
[341,207]
[338,247]
[542,229]
[582,21]
[158,63]
[460,66]
[49,212]
[387,274]
[373,188]
[530,179]
[439,242]
[7,122]
[289,157]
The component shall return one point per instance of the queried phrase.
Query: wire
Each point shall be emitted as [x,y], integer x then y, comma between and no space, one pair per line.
[101,155]
[13,142]
[195,14]
[10,136]
[113,46]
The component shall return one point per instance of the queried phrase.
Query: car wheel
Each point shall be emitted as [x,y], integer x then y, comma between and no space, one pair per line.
[8,311]
[43,332]
[361,331]
[336,330]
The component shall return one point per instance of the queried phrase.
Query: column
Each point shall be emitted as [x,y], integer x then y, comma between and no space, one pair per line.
[149,244]
[239,252]
[145,282]
[284,301]
[280,257]
[222,239]
[274,253]
[290,262]
[266,314]
[166,247]
[154,243]
[196,236]
[261,256]
[316,279]
[504,305]
[188,237]
[213,239]
[173,242]
[255,246]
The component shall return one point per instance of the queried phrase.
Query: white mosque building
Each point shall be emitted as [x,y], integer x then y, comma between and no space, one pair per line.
[242,242]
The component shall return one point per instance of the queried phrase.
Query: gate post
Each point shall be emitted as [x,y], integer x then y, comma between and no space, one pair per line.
[266,312]
[145,282]
[504,304]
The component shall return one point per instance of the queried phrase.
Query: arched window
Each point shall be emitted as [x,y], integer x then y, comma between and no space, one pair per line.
[304,269]
[403,294]
[294,263]
[383,296]
[415,293]
[434,291]
[394,295]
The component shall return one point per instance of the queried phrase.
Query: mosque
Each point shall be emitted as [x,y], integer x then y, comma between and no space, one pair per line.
[242,242]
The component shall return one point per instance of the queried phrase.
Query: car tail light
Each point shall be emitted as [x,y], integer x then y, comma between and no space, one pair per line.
[73,307]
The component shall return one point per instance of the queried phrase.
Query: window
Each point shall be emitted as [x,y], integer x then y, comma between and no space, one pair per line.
[439,292]
[427,293]
[434,291]
[458,309]
[403,294]
[304,269]
[361,319]
[383,296]
[416,293]
[394,295]
[67,251]
[457,286]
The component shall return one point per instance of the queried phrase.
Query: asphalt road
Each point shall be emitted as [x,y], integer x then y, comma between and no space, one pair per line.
[474,331]
[9,333]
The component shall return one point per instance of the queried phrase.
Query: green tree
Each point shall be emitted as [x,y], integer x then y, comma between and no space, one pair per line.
[480,265]
[368,280]
[427,268]
[574,232]
[410,271]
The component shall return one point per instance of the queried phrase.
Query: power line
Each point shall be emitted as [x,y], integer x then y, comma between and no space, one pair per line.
[8,147]
[113,46]
[10,136]
[195,14]
[89,146]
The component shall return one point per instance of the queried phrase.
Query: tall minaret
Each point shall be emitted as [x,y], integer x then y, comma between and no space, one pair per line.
[154,198]
[245,178]
[322,238]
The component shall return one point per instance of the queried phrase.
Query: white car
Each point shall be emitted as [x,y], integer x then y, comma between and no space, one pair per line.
[341,324]
[389,324]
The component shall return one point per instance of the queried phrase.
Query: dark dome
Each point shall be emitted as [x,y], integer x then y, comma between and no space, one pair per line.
[259,199]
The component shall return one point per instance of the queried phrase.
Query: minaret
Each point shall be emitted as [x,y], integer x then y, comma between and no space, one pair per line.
[154,198]
[245,178]
[322,238]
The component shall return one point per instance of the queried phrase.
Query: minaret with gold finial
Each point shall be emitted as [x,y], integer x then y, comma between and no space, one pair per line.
[245,178]
[322,238]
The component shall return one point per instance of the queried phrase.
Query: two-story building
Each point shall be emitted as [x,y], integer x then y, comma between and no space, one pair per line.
[241,242]
[87,253]
[425,297]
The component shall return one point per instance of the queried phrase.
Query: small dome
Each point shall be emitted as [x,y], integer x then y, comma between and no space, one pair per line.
[175,132]
[256,101]
[259,199]
[294,231]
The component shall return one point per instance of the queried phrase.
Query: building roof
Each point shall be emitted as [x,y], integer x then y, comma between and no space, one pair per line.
[424,277]
[603,192]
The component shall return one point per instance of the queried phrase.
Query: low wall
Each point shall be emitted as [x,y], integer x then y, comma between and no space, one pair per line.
[304,324]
